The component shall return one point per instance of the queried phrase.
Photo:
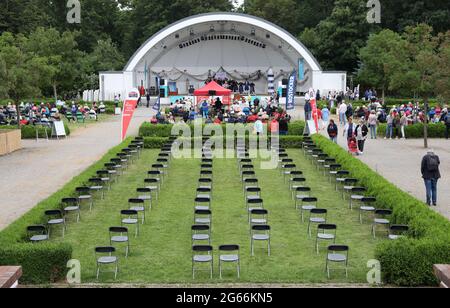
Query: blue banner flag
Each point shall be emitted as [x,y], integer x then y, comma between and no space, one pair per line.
[301,69]
[291,91]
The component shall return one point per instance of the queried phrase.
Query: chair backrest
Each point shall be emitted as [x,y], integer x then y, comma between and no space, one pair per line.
[255,201]
[248,166]
[359,189]
[206,166]
[110,165]
[335,166]
[135,201]
[248,173]
[245,160]
[117,161]
[319,211]
[128,212]
[229,248]
[162,160]
[157,166]
[204,180]
[69,200]
[303,189]
[287,160]
[54,213]
[118,230]
[298,180]
[368,200]
[330,160]
[207,160]
[154,172]
[338,248]
[253,189]
[261,228]
[95,180]
[343,172]
[399,228]
[296,173]
[250,181]
[143,190]
[309,199]
[36,229]
[283,155]
[83,189]
[350,181]
[206,172]
[289,166]
[202,248]
[203,190]
[202,200]
[383,212]
[203,212]
[259,212]
[327,227]
[196,228]
[105,249]
[152,180]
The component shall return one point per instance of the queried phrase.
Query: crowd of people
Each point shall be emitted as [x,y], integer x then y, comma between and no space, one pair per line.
[32,113]
[243,110]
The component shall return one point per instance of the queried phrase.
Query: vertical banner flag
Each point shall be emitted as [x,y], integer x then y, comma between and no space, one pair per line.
[129,106]
[291,90]
[157,105]
[315,114]
[270,82]
[301,69]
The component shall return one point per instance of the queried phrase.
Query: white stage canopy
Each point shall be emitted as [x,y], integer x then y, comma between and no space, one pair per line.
[237,46]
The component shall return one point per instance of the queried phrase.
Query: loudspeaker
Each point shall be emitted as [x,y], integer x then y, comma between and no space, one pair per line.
[285,82]
[212,93]
[162,82]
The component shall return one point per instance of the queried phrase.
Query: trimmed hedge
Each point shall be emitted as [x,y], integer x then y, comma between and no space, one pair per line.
[44,262]
[416,131]
[164,130]
[285,141]
[29,131]
[409,261]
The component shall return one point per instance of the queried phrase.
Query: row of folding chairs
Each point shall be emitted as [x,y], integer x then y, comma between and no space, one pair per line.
[135,215]
[94,188]
[356,194]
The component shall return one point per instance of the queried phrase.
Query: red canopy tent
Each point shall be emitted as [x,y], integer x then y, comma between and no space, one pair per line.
[211,88]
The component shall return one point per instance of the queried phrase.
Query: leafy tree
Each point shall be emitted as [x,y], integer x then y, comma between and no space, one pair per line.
[60,50]
[20,71]
[384,53]
[336,40]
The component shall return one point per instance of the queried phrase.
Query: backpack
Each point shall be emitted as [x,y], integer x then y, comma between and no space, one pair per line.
[365,130]
[433,163]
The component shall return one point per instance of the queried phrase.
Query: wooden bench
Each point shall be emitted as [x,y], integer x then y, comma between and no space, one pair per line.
[442,272]
[9,276]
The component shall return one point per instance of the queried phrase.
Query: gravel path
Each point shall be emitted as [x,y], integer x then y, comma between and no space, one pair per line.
[41,168]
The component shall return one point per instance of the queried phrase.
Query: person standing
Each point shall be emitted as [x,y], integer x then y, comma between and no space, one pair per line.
[373,123]
[148,99]
[308,110]
[431,175]
[361,132]
[446,120]
[403,123]
[389,126]
[325,116]
[349,130]
[332,131]
[342,112]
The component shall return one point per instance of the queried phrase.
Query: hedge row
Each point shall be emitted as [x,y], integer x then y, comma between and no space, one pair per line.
[29,131]
[409,261]
[165,130]
[416,131]
[285,141]
[44,262]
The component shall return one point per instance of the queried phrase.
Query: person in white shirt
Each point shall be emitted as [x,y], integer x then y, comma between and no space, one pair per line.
[342,113]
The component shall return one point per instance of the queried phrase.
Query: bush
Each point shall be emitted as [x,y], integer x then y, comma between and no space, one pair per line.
[416,131]
[29,131]
[44,262]
[164,130]
[409,261]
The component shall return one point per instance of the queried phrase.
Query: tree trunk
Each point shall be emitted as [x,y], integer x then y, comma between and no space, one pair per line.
[55,93]
[425,126]
[18,113]
[382,93]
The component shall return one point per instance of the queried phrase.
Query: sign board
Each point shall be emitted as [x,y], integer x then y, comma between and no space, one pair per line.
[129,106]
[58,129]
[291,90]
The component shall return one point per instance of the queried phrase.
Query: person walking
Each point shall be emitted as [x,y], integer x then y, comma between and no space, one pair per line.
[148,99]
[431,175]
[361,132]
[332,131]
[373,123]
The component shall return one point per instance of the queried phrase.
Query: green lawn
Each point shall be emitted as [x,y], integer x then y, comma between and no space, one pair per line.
[162,252]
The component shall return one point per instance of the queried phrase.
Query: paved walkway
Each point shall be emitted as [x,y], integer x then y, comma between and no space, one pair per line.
[41,168]
[399,162]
